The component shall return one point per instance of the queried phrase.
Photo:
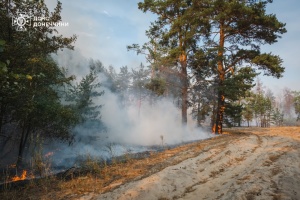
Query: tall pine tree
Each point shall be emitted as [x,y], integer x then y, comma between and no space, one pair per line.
[179,37]
[237,31]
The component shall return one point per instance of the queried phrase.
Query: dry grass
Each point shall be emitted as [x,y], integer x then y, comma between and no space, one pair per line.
[100,178]
[97,177]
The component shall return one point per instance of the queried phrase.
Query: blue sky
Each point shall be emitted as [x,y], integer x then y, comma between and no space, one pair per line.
[106,27]
[288,47]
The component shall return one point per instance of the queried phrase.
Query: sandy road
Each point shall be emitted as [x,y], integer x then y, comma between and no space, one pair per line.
[263,164]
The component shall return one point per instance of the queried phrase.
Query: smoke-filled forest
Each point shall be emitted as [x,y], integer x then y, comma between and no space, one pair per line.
[64,116]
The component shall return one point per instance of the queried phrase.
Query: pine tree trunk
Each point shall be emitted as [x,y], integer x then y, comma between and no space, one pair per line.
[218,129]
[220,112]
[213,117]
[199,116]
[184,89]
[184,105]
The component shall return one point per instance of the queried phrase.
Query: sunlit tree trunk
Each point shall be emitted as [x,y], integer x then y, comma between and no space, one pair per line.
[221,72]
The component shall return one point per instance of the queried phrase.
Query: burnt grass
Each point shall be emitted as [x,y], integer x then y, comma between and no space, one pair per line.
[98,177]
[82,171]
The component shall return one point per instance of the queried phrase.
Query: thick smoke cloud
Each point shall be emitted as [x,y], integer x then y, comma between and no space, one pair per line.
[131,128]
[145,124]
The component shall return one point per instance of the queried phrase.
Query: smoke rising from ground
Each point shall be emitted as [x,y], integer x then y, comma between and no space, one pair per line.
[145,124]
[131,128]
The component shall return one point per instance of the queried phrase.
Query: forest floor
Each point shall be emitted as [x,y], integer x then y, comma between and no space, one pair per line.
[245,163]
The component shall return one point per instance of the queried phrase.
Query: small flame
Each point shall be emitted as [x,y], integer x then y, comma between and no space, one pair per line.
[20,178]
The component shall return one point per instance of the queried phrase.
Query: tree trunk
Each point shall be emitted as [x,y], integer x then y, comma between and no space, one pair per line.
[221,72]
[220,112]
[199,116]
[213,117]
[23,141]
[184,89]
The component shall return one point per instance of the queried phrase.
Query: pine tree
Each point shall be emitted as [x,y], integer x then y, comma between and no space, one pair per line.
[237,30]
[140,78]
[83,95]
[123,84]
[174,32]
[277,117]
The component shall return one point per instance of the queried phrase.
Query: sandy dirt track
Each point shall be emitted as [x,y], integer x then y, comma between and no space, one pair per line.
[256,164]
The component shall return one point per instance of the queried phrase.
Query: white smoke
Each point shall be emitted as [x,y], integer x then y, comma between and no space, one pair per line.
[131,128]
[145,124]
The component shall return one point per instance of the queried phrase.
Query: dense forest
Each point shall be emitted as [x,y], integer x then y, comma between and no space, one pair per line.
[203,56]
